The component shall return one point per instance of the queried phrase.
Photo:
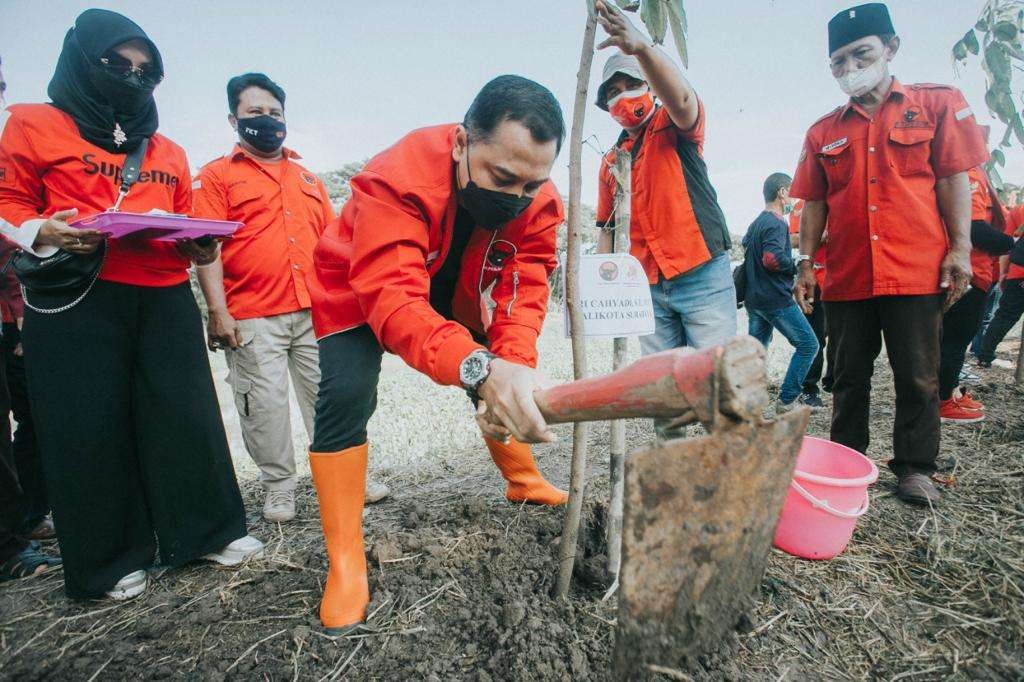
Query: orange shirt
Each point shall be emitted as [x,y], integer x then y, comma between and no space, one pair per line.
[877,174]
[676,222]
[45,166]
[1016,220]
[374,263]
[268,262]
[985,206]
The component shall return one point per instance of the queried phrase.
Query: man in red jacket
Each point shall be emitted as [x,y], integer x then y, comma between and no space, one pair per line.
[441,256]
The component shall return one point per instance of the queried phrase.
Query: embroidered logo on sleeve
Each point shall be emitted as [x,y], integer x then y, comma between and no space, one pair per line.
[964,113]
[834,145]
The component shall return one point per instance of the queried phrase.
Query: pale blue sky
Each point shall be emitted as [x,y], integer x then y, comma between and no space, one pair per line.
[361,74]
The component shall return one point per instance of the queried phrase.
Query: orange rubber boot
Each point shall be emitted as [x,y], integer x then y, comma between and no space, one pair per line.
[525,484]
[340,480]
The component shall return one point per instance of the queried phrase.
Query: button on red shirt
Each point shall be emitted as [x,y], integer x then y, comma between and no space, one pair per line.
[877,174]
[285,209]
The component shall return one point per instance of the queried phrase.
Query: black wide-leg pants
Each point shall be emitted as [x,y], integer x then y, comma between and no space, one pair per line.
[133,446]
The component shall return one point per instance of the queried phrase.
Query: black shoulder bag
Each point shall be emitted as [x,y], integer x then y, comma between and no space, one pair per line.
[63,280]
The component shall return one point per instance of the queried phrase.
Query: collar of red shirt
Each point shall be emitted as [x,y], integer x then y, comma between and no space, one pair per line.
[237,152]
[896,90]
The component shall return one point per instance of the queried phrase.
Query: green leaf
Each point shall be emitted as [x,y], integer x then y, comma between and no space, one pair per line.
[591,8]
[1018,127]
[994,177]
[960,51]
[970,41]
[998,63]
[1006,30]
[999,157]
[628,5]
[652,13]
[677,22]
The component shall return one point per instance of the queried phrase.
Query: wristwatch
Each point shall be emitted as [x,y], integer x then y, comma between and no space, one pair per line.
[474,370]
[801,258]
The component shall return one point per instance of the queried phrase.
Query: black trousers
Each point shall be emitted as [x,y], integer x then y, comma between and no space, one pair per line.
[349,372]
[27,461]
[817,321]
[128,423]
[1011,307]
[959,325]
[910,326]
[11,503]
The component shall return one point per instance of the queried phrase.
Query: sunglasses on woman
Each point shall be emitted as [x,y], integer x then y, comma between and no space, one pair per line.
[118,66]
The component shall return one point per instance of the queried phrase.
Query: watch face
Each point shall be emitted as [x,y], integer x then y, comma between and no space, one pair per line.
[472,369]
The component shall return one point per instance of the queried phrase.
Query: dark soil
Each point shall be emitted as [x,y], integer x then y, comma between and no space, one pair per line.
[460,583]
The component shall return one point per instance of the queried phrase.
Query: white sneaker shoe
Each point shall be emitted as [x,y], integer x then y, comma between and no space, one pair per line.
[376,490]
[279,506]
[238,551]
[129,587]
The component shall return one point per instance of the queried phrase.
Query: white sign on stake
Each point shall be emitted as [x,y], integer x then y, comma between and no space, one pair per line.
[615,296]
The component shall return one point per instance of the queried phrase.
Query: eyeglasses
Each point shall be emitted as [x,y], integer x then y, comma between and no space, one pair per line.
[118,66]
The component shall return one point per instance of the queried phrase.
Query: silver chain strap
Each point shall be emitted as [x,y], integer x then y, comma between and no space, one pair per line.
[69,306]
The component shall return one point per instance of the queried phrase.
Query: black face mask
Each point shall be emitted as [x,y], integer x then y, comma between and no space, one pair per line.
[489,208]
[264,133]
[126,94]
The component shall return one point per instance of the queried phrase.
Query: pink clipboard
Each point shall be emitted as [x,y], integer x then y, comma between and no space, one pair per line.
[156,226]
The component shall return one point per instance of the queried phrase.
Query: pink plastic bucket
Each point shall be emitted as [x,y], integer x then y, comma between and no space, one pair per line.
[829,492]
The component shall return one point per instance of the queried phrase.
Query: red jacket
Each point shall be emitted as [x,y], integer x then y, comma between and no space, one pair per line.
[374,263]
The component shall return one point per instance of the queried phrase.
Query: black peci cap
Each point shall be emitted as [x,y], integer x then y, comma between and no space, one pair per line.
[858,22]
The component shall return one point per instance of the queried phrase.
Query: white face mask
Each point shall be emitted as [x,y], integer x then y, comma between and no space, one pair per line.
[861,82]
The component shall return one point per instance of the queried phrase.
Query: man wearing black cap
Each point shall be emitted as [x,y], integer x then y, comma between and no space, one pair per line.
[888,171]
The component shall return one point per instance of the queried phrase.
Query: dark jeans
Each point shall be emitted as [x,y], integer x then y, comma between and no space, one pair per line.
[1011,307]
[27,462]
[131,435]
[910,326]
[792,324]
[995,293]
[817,321]
[958,327]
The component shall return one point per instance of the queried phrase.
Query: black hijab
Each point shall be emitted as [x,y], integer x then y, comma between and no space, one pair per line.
[111,112]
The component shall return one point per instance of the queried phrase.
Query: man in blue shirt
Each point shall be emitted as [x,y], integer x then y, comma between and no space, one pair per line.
[769,294]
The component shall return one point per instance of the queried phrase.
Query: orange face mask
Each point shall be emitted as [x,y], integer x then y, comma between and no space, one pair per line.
[631,108]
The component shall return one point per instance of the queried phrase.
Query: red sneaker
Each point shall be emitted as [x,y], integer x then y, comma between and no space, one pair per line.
[967,401]
[952,411]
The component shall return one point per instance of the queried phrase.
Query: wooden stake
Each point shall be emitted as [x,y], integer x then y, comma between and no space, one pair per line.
[573,511]
[617,455]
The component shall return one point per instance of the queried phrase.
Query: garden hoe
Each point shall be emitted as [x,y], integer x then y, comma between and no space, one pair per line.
[699,513]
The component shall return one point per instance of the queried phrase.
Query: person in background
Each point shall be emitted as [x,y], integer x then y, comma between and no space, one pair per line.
[1015,227]
[18,557]
[989,223]
[256,291]
[887,171]
[769,301]
[133,446]
[1011,305]
[36,523]
[677,231]
[816,318]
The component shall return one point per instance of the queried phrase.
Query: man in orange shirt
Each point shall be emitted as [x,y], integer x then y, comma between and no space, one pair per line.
[677,229]
[257,291]
[442,257]
[888,172]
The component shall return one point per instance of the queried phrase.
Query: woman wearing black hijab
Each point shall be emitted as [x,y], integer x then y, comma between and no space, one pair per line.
[134,449]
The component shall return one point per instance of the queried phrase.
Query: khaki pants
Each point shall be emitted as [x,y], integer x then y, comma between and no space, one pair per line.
[273,347]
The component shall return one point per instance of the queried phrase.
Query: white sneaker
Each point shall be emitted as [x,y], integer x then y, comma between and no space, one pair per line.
[238,551]
[376,490]
[279,506]
[129,587]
